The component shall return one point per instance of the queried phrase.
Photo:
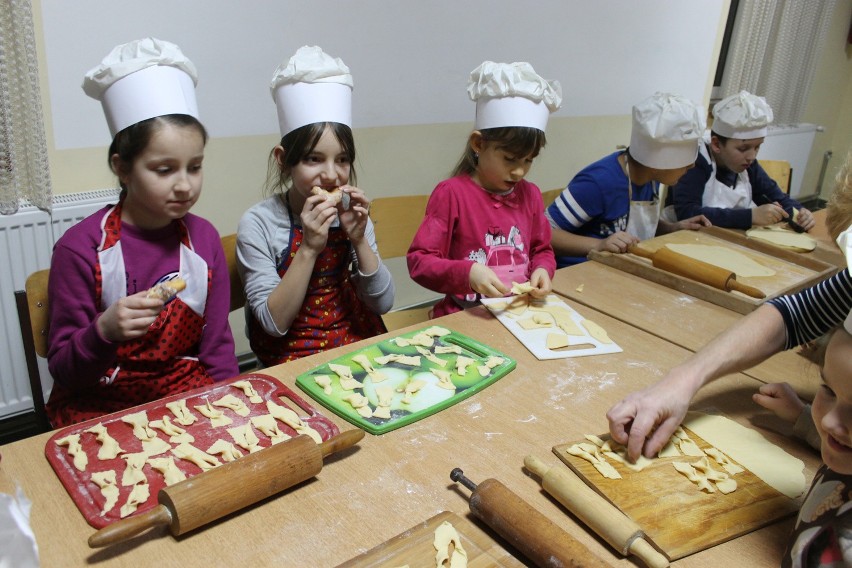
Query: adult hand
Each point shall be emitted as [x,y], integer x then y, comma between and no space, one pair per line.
[483,281]
[129,317]
[646,419]
[617,242]
[781,399]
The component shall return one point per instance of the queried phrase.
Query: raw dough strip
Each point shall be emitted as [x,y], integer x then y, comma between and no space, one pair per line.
[133,473]
[686,444]
[429,356]
[269,427]
[324,382]
[226,449]
[591,453]
[375,376]
[410,360]
[385,397]
[422,339]
[344,374]
[724,461]
[410,388]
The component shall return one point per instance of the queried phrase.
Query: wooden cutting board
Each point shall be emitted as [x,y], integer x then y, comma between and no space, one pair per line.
[414,547]
[793,271]
[675,515]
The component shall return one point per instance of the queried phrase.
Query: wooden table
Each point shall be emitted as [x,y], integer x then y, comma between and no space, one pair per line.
[394,481]
[674,316]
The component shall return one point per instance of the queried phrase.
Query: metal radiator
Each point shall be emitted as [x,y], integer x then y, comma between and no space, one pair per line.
[26,242]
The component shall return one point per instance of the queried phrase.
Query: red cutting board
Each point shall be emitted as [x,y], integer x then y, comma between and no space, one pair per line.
[87,495]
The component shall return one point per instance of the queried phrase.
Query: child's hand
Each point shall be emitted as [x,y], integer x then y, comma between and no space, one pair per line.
[317,216]
[805,219]
[354,220]
[540,281]
[129,317]
[767,214]
[781,399]
[693,223]
[484,281]
[617,242]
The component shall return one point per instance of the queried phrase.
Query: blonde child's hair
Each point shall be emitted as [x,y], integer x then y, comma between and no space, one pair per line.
[516,140]
[839,207]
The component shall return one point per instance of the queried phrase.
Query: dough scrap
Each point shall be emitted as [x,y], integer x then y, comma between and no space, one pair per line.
[292,420]
[422,339]
[171,472]
[106,481]
[139,495]
[751,450]
[139,422]
[375,376]
[444,535]
[799,242]
[686,444]
[109,447]
[444,379]
[75,450]
[233,403]
[596,331]
[701,473]
[360,403]
[437,331]
[154,447]
[410,389]
[723,257]
[385,397]
[724,461]
[537,321]
[462,363]
[182,414]
[216,416]
[410,360]
[443,349]
[324,382]
[248,390]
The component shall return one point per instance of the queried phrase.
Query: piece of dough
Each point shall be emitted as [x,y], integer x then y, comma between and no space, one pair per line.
[751,450]
[444,379]
[799,242]
[591,453]
[248,390]
[723,257]
[106,481]
[216,416]
[522,287]
[410,389]
[155,446]
[443,349]
[139,422]
[344,374]
[462,363]
[324,382]
[176,434]
[109,447]
[436,331]
[139,495]
[385,397]
[171,472]
[292,420]
[596,331]
[444,535]
[226,449]
[75,450]
[423,339]
[269,427]
[724,461]
[360,403]
[133,473]
[410,360]
[192,454]
[245,438]
[375,376]
[686,444]
[231,402]
[557,341]
[182,414]
[537,321]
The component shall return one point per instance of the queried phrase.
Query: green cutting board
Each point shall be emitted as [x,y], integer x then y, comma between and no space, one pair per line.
[430,399]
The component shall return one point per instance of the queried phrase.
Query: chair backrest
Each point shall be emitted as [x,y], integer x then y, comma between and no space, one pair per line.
[32,315]
[550,195]
[780,171]
[396,220]
[238,296]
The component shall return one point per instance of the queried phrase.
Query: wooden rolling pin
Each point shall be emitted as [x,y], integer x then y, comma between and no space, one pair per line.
[230,487]
[534,535]
[621,532]
[666,259]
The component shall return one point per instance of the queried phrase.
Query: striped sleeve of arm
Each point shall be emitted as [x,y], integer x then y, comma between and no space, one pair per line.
[816,310]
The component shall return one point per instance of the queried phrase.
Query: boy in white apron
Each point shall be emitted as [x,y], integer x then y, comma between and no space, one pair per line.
[728,185]
[614,202]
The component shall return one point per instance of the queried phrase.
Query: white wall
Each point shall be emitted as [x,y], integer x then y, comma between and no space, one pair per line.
[410,59]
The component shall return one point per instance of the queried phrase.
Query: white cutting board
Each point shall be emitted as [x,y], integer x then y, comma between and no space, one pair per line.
[536,339]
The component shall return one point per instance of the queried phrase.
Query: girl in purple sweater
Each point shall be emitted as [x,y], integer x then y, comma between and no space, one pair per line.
[111,346]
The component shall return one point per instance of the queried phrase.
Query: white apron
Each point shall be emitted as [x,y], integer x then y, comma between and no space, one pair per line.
[643,217]
[717,194]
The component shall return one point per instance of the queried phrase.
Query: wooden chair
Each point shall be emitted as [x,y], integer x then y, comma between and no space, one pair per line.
[780,171]
[396,220]
[550,195]
[238,296]
[32,315]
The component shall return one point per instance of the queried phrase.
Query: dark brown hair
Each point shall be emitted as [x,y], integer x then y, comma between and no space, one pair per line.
[516,140]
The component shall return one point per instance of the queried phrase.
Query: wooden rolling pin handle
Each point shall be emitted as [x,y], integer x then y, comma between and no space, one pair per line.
[127,528]
[538,538]
[342,441]
[734,284]
[621,532]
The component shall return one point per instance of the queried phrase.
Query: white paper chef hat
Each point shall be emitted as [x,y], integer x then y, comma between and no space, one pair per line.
[666,131]
[512,94]
[143,79]
[312,87]
[742,116]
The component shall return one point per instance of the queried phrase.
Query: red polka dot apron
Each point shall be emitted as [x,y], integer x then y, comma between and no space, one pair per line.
[162,362]
[331,315]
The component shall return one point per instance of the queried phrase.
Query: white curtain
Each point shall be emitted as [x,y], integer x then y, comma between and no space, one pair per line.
[24,170]
[773,52]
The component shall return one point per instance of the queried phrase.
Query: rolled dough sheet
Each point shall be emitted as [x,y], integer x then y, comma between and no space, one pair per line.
[726,258]
[799,242]
[750,449]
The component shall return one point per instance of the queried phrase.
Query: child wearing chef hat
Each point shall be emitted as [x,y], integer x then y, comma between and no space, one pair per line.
[728,185]
[307,255]
[614,202]
[112,345]
[484,227]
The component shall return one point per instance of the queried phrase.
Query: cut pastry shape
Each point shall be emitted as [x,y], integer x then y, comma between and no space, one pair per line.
[133,473]
[596,331]
[360,404]
[139,495]
[522,288]
[344,374]
[445,535]
[324,382]
[182,414]
[245,438]
[410,389]
[385,397]
[410,360]
[216,416]
[443,349]
[225,449]
[557,341]
[75,450]
[171,472]
[269,427]
[429,356]
[444,379]
[192,454]
[106,481]
[422,339]
[591,453]
[233,403]
[155,446]
[139,422]
[109,447]
[375,376]
[176,433]
[292,420]
[462,363]
[248,390]
[538,320]
[436,331]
